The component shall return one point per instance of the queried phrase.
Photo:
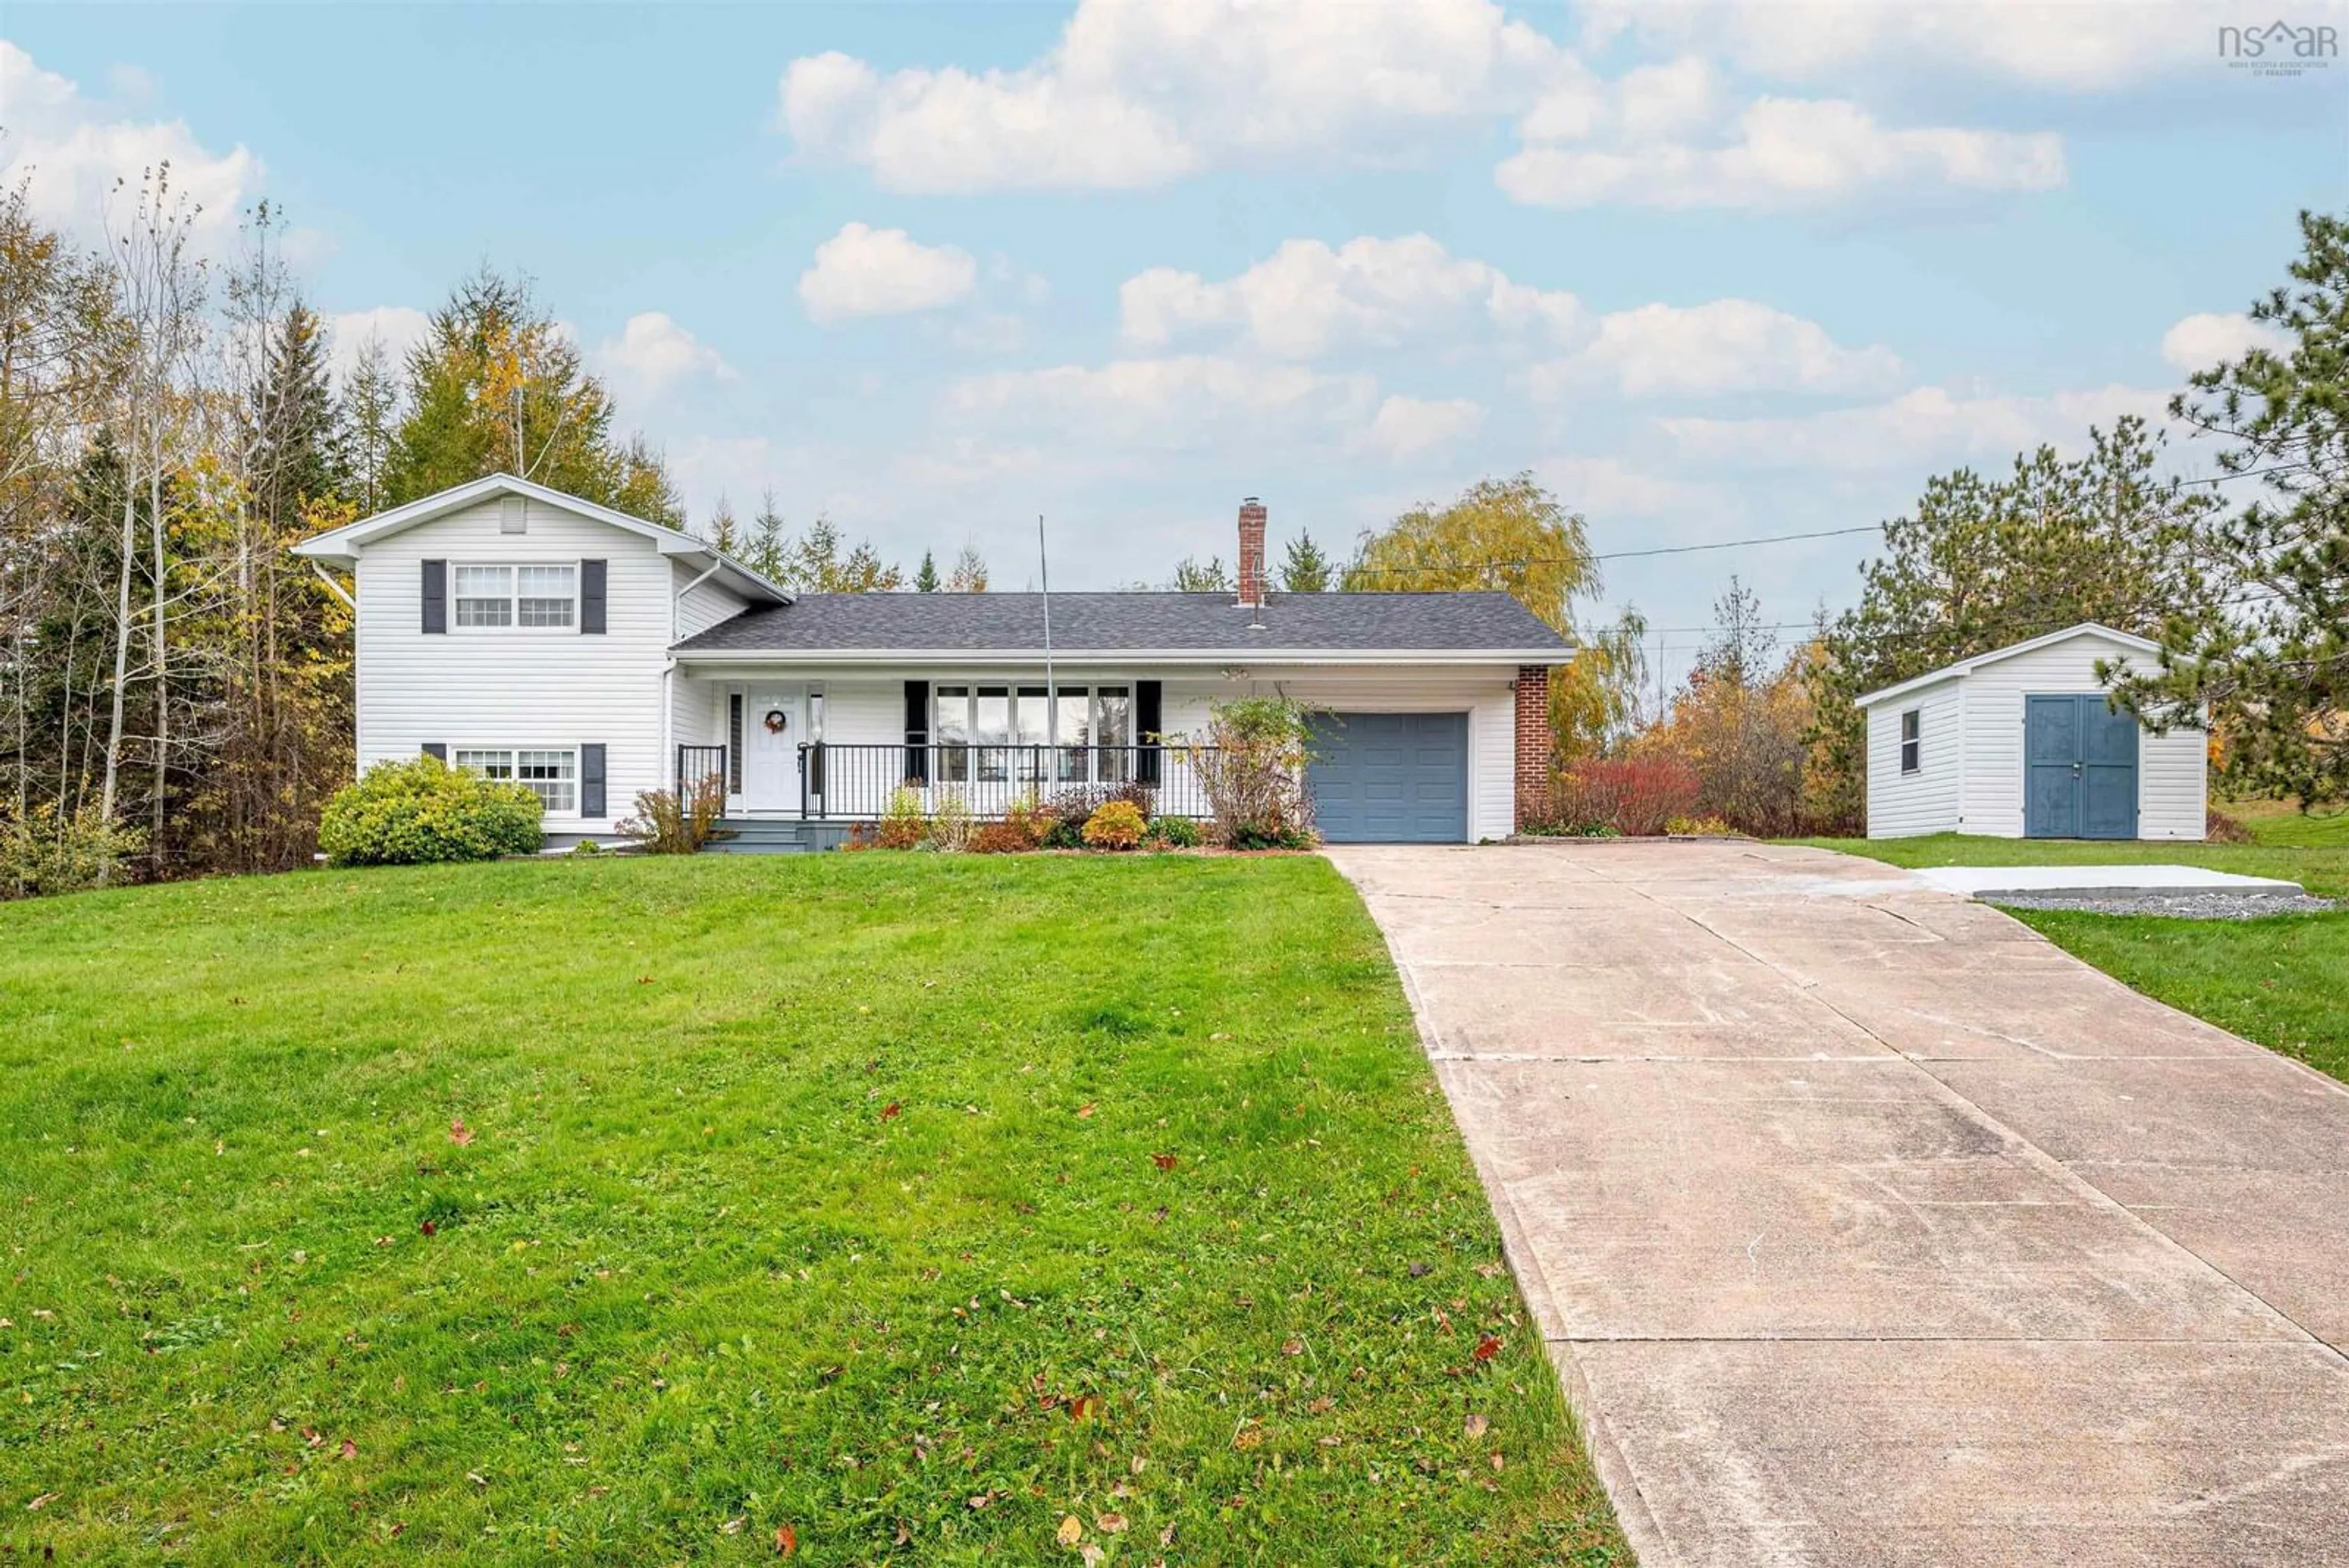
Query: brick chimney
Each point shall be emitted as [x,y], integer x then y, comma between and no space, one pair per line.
[1251,569]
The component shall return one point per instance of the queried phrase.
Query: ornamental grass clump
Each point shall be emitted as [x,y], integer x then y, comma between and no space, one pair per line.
[422,810]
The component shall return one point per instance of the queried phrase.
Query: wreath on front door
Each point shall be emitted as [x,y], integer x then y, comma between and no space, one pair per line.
[775,721]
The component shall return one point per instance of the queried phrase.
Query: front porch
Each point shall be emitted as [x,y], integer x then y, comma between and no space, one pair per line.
[837,784]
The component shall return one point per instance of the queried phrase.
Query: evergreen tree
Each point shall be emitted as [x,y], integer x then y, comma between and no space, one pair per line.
[1304,569]
[371,415]
[764,549]
[926,581]
[723,532]
[497,386]
[295,440]
[2264,639]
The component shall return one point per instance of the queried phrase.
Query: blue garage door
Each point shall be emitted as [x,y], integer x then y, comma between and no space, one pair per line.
[1390,778]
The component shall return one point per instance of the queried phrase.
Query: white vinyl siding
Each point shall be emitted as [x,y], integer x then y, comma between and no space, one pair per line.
[864,710]
[699,608]
[542,689]
[1901,804]
[1974,722]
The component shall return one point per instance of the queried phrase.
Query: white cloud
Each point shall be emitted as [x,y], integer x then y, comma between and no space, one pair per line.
[1171,404]
[1777,152]
[864,271]
[1914,431]
[1306,298]
[2066,45]
[1611,486]
[2209,339]
[399,326]
[1727,346]
[1138,93]
[653,353]
[72,152]
[1408,428]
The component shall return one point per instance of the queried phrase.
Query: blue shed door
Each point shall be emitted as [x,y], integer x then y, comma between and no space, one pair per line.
[2079,768]
[1390,778]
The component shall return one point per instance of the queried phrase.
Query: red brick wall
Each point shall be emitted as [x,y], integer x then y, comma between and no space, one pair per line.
[1533,742]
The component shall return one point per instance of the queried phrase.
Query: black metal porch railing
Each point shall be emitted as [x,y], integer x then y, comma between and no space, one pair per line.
[855,782]
[698,765]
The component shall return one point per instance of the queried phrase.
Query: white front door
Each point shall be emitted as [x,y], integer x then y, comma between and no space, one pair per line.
[774,723]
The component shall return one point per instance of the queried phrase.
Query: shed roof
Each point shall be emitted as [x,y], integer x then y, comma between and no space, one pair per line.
[1965,666]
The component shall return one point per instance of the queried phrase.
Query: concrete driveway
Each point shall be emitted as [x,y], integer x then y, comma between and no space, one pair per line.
[1866,1227]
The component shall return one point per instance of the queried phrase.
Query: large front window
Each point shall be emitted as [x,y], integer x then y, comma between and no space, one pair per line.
[994,734]
[543,598]
[551,775]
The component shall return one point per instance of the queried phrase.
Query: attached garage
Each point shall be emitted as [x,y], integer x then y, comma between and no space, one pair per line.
[2023,743]
[1390,778]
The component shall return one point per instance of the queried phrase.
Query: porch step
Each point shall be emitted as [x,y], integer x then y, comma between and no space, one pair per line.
[771,835]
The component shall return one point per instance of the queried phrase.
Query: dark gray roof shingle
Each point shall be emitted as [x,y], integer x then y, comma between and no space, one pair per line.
[1132,622]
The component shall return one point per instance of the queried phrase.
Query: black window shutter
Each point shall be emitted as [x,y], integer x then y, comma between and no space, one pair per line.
[437,749]
[1148,721]
[590,597]
[436,596]
[918,731]
[591,781]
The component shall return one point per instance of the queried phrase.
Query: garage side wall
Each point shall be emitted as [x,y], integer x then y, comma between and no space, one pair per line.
[2171,772]
[1902,805]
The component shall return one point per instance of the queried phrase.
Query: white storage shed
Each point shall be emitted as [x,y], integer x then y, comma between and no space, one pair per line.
[2023,743]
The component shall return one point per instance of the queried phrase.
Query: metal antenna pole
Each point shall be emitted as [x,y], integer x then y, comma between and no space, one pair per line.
[1052,691]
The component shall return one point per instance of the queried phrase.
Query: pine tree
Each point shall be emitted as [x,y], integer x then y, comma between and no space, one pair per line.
[371,416]
[295,446]
[926,581]
[1304,569]
[497,386]
[2265,642]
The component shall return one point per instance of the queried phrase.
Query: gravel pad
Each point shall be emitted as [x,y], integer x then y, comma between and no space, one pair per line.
[2214,906]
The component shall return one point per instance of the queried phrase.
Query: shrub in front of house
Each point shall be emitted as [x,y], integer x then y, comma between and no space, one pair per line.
[1072,807]
[1174,832]
[421,811]
[903,824]
[1251,768]
[1115,825]
[677,822]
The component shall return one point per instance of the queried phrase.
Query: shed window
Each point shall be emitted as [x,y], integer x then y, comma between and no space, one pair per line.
[1912,743]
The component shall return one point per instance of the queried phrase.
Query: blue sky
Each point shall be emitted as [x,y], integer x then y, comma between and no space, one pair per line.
[1711,271]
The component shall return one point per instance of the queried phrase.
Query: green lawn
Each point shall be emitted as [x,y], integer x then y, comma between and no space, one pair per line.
[2279,981]
[638,1210]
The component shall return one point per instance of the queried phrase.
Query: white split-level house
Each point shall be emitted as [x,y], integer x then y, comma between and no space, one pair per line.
[591,655]
[2023,743]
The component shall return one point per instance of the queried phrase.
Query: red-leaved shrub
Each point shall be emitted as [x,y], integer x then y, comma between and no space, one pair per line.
[1634,797]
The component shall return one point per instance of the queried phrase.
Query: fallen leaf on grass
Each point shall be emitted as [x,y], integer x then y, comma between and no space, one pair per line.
[1488,1349]
[1293,1347]
[1165,1161]
[1321,1406]
[428,1227]
[460,1134]
[41,1502]
[733,1527]
[1086,1110]
[349,1449]
[1419,1270]
[477,1478]
[1071,1530]
[1110,1524]
[1475,1425]
[1248,1438]
[1490,1271]
[888,1110]
[787,1540]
